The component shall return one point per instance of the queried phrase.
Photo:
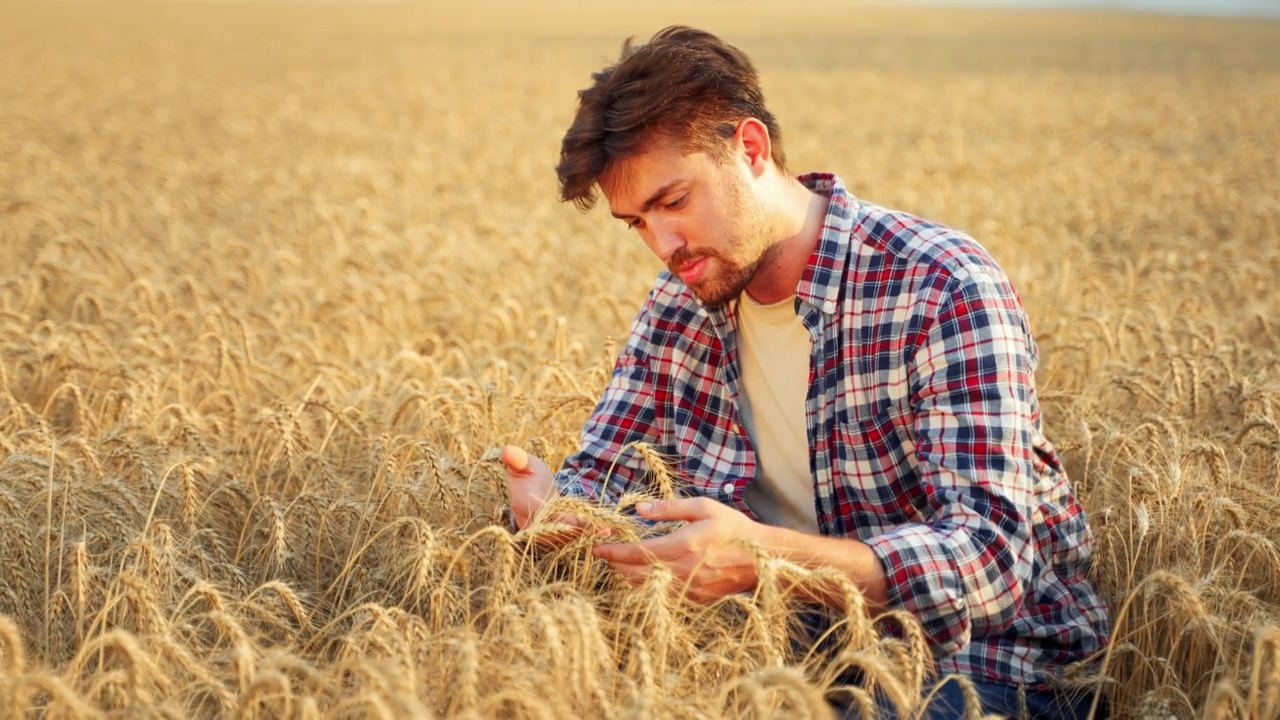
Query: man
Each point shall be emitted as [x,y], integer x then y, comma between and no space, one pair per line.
[845,386]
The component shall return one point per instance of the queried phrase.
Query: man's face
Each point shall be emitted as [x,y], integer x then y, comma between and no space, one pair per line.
[700,216]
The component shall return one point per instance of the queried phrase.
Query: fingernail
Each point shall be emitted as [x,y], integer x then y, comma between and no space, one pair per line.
[644,507]
[519,459]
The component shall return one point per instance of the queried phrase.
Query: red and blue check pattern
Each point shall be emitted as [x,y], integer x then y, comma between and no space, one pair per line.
[924,435]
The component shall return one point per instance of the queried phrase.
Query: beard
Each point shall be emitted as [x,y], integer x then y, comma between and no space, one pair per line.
[725,279]
[749,243]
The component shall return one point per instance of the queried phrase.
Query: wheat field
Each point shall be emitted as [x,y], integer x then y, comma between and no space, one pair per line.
[276,280]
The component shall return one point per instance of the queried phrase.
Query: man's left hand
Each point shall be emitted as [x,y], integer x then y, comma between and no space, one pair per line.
[706,556]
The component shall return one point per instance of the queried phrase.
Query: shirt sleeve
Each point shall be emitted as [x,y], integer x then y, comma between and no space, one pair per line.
[601,470]
[963,570]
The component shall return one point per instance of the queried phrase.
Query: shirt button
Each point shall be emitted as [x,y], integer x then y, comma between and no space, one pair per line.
[828,307]
[728,488]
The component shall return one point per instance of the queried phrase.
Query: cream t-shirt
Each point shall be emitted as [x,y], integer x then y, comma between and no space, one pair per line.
[773,350]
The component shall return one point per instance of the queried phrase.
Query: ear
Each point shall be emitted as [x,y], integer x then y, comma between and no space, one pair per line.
[752,138]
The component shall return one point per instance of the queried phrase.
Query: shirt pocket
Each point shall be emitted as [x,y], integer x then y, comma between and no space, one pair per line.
[875,466]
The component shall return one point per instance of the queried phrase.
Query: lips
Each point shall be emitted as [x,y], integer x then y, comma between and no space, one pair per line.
[692,272]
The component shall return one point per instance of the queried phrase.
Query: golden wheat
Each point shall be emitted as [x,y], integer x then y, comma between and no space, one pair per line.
[278,279]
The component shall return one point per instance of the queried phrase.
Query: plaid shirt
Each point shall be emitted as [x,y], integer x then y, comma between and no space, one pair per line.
[924,435]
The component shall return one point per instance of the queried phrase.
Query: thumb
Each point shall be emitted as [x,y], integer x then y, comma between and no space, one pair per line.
[521,464]
[515,458]
[689,509]
[523,467]
[529,482]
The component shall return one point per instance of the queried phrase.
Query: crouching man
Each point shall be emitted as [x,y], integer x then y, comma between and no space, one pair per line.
[846,386]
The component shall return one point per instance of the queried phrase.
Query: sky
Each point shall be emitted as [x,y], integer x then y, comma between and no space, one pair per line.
[1261,8]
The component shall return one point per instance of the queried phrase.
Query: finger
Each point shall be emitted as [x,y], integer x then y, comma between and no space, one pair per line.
[635,575]
[690,509]
[562,529]
[638,575]
[570,520]
[559,526]
[520,464]
[663,548]
[515,458]
[555,540]
[582,525]
[624,553]
[700,596]
[558,531]
[529,483]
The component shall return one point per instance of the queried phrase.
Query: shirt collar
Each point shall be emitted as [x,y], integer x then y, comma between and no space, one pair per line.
[820,285]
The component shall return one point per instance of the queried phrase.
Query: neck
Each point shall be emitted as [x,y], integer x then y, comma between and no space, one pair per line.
[799,223]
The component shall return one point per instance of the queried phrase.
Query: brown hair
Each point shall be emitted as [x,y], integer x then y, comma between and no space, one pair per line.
[686,85]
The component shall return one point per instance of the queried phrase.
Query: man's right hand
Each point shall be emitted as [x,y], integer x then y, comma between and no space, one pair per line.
[529,484]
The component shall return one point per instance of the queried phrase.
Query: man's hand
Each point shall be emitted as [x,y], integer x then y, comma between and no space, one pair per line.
[529,483]
[704,555]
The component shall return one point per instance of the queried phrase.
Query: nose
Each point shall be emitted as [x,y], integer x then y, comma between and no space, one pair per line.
[665,238]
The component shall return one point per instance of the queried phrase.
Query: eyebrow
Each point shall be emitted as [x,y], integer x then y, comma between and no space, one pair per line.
[654,198]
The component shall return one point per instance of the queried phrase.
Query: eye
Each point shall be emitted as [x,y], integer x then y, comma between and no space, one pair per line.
[634,223]
[677,203]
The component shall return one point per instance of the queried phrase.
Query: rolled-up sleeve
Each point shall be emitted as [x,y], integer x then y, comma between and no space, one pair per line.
[964,568]
[601,469]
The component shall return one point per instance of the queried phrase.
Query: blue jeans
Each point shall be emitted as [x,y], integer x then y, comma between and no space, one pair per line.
[948,703]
